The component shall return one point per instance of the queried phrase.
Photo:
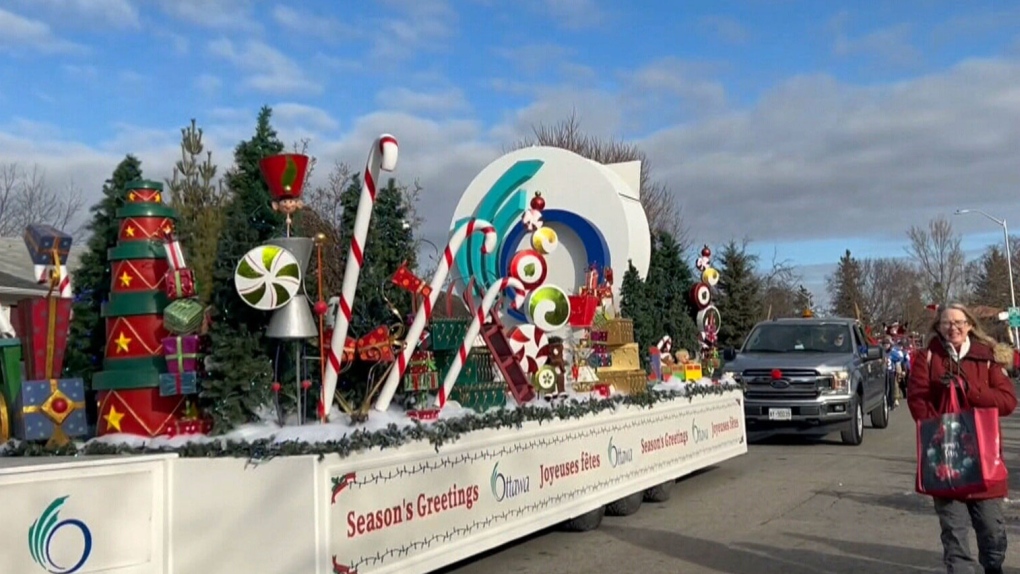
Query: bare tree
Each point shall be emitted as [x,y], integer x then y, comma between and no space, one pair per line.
[889,289]
[936,251]
[26,198]
[779,285]
[663,210]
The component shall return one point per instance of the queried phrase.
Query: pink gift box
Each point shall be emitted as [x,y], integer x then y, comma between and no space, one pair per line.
[181,353]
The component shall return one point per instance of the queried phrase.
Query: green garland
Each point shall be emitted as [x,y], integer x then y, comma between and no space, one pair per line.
[437,433]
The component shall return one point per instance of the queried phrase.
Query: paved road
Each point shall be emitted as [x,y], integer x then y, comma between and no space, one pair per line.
[790,506]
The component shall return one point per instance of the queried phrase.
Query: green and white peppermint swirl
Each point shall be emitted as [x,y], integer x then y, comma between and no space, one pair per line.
[267,277]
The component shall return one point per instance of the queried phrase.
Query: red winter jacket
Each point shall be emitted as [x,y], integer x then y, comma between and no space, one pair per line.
[988,386]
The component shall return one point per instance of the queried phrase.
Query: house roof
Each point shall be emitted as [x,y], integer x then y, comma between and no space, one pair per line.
[16,268]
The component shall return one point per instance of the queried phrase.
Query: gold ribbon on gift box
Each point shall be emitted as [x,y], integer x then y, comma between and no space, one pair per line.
[51,327]
[5,423]
[59,438]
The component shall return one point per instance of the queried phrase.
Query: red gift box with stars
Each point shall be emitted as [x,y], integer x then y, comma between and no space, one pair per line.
[42,325]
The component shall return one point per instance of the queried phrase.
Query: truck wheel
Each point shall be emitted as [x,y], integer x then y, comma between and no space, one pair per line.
[854,433]
[880,416]
[660,492]
[586,522]
[627,505]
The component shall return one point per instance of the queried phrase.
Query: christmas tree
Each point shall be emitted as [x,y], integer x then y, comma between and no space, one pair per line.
[668,284]
[241,374]
[197,200]
[92,281]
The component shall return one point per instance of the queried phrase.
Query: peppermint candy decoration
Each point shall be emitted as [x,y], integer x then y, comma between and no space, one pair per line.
[530,346]
[529,267]
[532,219]
[267,277]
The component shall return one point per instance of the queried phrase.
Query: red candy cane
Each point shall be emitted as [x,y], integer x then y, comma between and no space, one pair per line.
[493,293]
[425,311]
[383,155]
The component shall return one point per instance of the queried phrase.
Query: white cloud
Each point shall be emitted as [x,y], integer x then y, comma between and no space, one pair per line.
[269,70]
[118,14]
[726,29]
[20,33]
[310,25]
[886,46]
[291,117]
[408,100]
[416,25]
[216,14]
[571,14]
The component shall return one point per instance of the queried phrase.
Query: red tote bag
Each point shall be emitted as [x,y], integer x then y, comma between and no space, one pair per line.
[959,453]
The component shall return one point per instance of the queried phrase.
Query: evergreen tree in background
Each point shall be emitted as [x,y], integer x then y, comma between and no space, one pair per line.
[667,288]
[92,278]
[846,287]
[739,294]
[390,242]
[240,382]
[197,200]
[803,299]
[636,306]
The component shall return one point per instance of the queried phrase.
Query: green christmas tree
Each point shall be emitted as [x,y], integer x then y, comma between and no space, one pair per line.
[92,278]
[239,385]
[668,286]
[739,294]
[197,200]
[390,242]
[636,306]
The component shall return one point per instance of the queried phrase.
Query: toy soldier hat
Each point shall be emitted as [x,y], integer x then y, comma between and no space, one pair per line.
[284,174]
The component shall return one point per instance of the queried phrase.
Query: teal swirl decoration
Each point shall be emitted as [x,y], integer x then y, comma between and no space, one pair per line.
[42,531]
[503,205]
[549,308]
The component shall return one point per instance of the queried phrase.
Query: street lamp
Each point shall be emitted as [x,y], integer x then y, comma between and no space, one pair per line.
[1009,261]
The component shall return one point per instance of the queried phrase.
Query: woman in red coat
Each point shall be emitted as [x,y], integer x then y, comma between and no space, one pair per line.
[959,347]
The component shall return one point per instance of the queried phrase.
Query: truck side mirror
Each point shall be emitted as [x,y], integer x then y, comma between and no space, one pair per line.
[729,353]
[874,352]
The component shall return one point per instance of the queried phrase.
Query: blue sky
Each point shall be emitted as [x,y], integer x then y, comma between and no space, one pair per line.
[809,127]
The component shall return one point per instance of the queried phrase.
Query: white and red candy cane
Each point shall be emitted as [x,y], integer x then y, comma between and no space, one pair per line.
[382,156]
[174,253]
[44,274]
[424,313]
[491,295]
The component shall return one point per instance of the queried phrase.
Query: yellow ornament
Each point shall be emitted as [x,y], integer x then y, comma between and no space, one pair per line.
[545,240]
[710,276]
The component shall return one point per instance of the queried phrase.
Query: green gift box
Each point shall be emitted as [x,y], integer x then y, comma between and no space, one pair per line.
[183,316]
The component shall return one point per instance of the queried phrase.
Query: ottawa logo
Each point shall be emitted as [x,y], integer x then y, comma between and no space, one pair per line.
[505,486]
[45,528]
[619,456]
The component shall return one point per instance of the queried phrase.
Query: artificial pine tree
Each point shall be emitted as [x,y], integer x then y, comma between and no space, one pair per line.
[635,305]
[739,291]
[92,281]
[198,201]
[668,284]
[239,385]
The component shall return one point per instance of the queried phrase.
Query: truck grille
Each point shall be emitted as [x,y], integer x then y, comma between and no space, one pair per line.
[803,384]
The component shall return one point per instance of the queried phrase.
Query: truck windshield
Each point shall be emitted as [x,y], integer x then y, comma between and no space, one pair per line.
[806,338]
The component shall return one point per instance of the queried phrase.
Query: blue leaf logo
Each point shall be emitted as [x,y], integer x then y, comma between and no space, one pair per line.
[42,531]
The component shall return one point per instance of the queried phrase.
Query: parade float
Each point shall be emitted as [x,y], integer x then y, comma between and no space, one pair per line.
[511,398]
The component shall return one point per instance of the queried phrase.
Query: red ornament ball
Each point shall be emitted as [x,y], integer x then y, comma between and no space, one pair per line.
[59,406]
[706,252]
[306,384]
[275,386]
[320,308]
[538,202]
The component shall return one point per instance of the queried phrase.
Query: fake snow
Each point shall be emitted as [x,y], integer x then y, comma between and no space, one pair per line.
[340,426]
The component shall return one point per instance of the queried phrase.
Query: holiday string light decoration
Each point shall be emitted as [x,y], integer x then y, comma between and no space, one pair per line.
[383,156]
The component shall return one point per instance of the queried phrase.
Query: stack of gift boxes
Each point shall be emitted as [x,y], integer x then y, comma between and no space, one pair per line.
[421,378]
[151,318]
[45,406]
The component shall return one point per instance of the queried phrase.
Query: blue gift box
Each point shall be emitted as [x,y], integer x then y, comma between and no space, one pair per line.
[182,383]
[46,409]
[41,240]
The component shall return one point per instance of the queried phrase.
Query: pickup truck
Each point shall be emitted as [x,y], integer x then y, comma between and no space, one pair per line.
[811,375]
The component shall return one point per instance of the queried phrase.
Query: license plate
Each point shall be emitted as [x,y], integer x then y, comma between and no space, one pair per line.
[780,415]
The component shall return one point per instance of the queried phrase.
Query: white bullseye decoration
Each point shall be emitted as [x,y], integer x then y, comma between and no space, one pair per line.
[545,240]
[701,294]
[529,267]
[267,277]
[709,319]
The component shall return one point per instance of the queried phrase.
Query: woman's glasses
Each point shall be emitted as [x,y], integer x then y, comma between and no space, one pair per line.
[957,324]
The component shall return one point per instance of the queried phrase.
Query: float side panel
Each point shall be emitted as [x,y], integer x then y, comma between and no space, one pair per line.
[104,515]
[418,510]
[232,516]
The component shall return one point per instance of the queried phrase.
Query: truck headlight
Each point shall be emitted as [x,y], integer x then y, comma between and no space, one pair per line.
[840,382]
